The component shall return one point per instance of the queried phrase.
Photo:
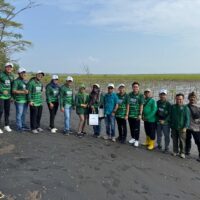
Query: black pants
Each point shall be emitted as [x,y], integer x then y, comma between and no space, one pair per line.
[122,128]
[53,112]
[35,116]
[196,136]
[150,129]
[5,106]
[135,128]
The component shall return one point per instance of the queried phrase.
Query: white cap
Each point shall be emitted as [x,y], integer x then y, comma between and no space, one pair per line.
[111,85]
[21,69]
[69,78]
[9,64]
[97,85]
[147,90]
[121,85]
[54,77]
[40,72]
[163,91]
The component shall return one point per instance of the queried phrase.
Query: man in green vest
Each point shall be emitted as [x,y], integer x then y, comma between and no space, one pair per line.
[20,92]
[6,80]
[35,101]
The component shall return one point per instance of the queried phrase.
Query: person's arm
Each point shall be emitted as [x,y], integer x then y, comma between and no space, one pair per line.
[61,100]
[187,119]
[30,89]
[116,105]
[153,110]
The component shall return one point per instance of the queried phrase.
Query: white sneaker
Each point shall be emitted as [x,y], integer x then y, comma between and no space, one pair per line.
[113,139]
[105,137]
[131,141]
[53,130]
[136,144]
[40,129]
[35,131]
[182,155]
[1,132]
[8,129]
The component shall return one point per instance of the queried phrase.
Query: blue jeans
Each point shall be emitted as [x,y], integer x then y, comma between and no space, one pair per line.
[21,110]
[110,125]
[163,129]
[97,129]
[67,118]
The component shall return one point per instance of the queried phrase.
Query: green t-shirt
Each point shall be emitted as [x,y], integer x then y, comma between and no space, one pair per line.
[6,81]
[20,85]
[52,93]
[135,101]
[81,98]
[35,89]
[123,101]
[66,96]
[150,109]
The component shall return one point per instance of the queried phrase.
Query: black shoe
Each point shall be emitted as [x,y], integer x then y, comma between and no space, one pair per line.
[187,153]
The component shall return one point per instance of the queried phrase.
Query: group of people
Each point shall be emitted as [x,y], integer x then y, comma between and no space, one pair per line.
[177,121]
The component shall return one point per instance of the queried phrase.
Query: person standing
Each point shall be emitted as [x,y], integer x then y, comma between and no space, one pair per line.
[149,117]
[194,128]
[52,98]
[82,100]
[179,123]
[122,113]
[35,100]
[6,80]
[136,101]
[96,99]
[67,103]
[110,108]
[20,92]
[163,115]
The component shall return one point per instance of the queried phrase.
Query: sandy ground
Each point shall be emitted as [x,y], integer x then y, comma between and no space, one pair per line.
[56,167]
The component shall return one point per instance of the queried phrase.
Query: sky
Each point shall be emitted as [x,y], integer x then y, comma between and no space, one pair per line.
[111,36]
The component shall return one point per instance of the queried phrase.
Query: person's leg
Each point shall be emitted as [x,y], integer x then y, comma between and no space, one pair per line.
[81,121]
[136,129]
[67,119]
[119,124]
[146,128]
[196,136]
[112,119]
[175,141]
[55,109]
[152,135]
[7,111]
[131,125]
[19,113]
[124,133]
[159,130]
[1,111]
[39,115]
[84,123]
[25,108]
[188,143]
[182,138]
[33,117]
[166,131]
[51,117]
[107,123]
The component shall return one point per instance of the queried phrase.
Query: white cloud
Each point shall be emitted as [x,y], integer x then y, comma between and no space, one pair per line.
[149,16]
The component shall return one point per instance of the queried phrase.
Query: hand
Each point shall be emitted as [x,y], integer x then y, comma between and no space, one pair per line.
[62,109]
[161,121]
[139,117]
[126,117]
[84,105]
[184,130]
[51,105]
[31,104]
[143,119]
[26,91]
[113,113]
[5,92]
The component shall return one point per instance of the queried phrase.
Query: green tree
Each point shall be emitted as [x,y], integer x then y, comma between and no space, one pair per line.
[11,41]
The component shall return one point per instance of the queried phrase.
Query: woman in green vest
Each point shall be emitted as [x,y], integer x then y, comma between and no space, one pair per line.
[81,101]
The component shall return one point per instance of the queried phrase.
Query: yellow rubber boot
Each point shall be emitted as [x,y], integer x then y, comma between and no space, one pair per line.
[151,145]
[146,143]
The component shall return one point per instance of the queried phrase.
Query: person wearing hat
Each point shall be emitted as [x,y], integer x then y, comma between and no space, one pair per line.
[110,108]
[163,117]
[67,103]
[136,101]
[52,98]
[179,123]
[35,100]
[95,103]
[194,128]
[81,102]
[122,113]
[6,80]
[149,118]
[20,92]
